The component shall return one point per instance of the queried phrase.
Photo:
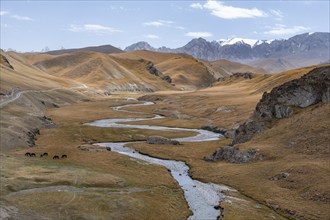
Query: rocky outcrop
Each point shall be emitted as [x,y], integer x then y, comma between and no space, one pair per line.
[280,176]
[284,100]
[167,79]
[5,62]
[151,98]
[232,154]
[246,75]
[154,71]
[214,129]
[161,140]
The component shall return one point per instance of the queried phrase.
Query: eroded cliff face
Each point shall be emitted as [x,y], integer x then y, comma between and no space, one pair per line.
[283,101]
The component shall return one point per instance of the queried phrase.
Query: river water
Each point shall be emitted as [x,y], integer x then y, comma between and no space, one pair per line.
[203,198]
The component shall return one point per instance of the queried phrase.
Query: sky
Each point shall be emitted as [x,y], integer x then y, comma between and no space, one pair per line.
[34,25]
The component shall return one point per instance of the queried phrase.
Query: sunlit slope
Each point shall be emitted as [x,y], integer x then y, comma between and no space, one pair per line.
[187,71]
[263,82]
[101,70]
[24,76]
[234,67]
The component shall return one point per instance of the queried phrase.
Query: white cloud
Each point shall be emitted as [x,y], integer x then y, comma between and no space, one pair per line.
[280,29]
[199,34]
[22,18]
[17,17]
[221,10]
[96,28]
[2,13]
[152,36]
[196,5]
[158,23]
[278,14]
[153,23]
[180,27]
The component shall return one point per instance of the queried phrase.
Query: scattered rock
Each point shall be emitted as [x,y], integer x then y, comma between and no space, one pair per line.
[232,154]
[55,105]
[32,133]
[152,69]
[167,79]
[214,129]
[161,140]
[246,75]
[280,176]
[247,130]
[151,98]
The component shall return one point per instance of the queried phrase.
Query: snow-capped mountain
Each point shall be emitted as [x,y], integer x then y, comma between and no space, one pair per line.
[237,40]
[303,49]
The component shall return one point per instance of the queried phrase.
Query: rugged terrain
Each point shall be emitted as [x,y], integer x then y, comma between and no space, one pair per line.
[273,56]
[47,98]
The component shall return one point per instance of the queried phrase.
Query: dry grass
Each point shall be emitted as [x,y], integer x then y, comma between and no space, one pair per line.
[298,145]
[110,185]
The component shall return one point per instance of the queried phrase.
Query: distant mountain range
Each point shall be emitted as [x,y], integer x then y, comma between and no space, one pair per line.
[272,55]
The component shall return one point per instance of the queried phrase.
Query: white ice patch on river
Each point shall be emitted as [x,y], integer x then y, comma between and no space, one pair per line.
[202,198]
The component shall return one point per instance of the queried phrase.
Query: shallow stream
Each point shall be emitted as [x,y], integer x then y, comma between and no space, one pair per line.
[203,198]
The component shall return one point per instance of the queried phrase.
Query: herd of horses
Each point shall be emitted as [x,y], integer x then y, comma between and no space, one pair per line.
[28,154]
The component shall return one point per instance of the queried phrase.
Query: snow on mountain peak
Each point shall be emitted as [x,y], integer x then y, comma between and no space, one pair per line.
[251,42]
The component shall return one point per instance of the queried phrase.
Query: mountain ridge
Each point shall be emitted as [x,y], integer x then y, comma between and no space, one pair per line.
[298,51]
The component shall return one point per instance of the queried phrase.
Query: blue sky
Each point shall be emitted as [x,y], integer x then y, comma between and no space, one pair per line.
[33,25]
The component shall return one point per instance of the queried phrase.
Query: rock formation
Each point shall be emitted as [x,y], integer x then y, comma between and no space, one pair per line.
[161,140]
[284,100]
[232,154]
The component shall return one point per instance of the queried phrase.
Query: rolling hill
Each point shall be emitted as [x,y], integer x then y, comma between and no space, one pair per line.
[101,49]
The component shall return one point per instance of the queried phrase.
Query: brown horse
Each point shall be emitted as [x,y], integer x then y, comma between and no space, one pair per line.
[56,157]
[27,154]
[32,155]
[64,156]
[44,155]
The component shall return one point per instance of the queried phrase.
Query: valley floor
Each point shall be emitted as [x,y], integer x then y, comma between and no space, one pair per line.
[92,183]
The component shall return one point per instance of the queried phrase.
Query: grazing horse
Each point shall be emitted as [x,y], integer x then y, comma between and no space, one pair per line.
[108,148]
[32,155]
[64,156]
[27,154]
[44,155]
[56,157]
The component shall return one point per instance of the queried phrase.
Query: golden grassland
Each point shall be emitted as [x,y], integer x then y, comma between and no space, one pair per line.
[96,184]
[109,185]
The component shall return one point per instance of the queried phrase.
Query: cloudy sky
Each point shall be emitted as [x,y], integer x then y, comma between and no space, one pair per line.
[33,25]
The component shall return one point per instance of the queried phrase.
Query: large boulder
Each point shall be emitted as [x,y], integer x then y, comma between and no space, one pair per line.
[232,154]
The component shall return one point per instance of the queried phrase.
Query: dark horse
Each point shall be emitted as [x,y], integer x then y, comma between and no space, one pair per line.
[44,155]
[28,154]
[64,156]
[32,155]
[56,157]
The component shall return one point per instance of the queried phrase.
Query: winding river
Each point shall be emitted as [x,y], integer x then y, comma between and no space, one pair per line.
[203,198]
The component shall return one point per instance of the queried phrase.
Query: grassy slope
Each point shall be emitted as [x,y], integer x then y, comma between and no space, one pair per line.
[100,70]
[234,67]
